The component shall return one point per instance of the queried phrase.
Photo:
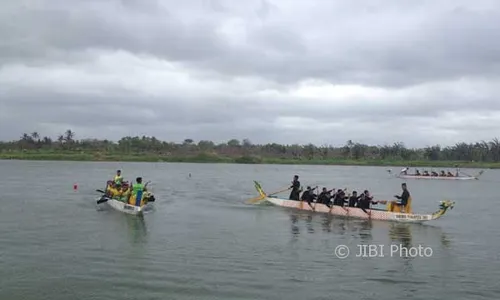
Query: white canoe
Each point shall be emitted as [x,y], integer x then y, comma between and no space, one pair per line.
[124,207]
[369,214]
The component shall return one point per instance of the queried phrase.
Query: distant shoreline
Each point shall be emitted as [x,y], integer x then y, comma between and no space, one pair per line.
[97,157]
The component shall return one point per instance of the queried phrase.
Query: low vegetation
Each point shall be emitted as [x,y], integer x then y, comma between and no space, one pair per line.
[66,147]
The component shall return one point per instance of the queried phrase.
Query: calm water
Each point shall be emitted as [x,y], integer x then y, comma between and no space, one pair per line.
[202,242]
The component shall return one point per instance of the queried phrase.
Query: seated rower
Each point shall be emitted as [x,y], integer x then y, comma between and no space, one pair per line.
[450,174]
[426,173]
[340,198]
[434,173]
[366,200]
[405,195]
[404,171]
[325,197]
[417,173]
[353,200]
[308,196]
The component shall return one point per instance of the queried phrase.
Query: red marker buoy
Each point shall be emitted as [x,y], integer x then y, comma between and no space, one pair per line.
[75,187]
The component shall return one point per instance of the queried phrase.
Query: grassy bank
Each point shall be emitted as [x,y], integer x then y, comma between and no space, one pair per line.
[208,158]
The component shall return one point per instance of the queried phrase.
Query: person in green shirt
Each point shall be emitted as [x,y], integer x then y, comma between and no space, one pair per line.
[136,187]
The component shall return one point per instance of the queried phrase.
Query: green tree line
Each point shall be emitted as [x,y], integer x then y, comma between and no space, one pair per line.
[246,151]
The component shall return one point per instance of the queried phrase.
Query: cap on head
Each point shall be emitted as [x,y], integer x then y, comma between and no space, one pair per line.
[118,171]
[354,193]
[296,176]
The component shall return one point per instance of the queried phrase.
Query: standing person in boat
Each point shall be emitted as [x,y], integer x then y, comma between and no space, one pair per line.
[403,199]
[295,193]
[138,186]
[118,180]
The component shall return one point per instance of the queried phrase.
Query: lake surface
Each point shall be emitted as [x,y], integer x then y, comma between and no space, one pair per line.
[202,241]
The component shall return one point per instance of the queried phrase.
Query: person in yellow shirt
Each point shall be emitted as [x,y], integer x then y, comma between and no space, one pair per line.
[118,180]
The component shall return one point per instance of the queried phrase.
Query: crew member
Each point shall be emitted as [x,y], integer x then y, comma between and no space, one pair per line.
[325,197]
[353,200]
[366,200]
[308,196]
[118,180]
[340,198]
[403,199]
[137,187]
[295,193]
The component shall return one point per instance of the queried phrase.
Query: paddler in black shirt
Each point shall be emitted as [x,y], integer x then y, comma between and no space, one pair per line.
[339,198]
[308,196]
[366,200]
[295,193]
[353,200]
[325,197]
[403,198]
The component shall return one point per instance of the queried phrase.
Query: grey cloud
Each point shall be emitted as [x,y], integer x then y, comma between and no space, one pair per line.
[375,43]
[440,43]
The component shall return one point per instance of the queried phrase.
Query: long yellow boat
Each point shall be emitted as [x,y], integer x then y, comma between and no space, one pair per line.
[391,213]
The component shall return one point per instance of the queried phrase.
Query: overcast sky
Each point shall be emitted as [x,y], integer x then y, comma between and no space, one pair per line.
[286,71]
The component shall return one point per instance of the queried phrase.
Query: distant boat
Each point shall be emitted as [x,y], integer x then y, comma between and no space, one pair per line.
[439,177]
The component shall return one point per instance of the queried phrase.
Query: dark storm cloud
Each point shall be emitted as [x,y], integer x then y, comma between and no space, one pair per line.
[214,69]
[376,45]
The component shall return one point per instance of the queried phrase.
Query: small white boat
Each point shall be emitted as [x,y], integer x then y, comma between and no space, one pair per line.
[117,199]
[122,206]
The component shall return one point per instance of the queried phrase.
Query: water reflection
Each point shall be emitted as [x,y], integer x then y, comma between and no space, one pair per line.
[400,234]
[137,229]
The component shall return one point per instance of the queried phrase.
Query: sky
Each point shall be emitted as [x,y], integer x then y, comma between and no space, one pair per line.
[287,71]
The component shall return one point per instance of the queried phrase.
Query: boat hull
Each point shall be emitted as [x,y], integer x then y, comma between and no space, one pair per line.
[353,212]
[124,207]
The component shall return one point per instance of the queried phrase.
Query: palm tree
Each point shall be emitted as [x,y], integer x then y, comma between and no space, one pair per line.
[69,135]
